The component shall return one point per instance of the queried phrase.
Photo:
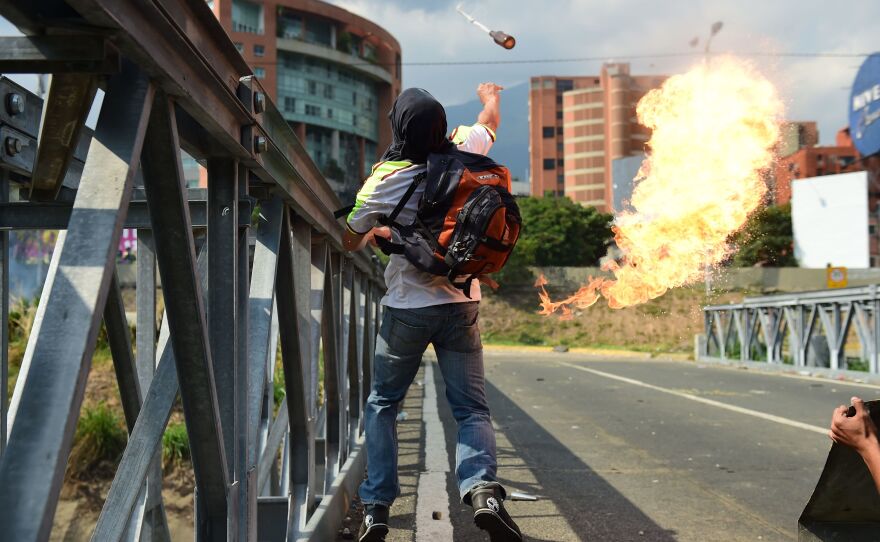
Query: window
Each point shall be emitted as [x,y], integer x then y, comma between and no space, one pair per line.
[290,104]
[549,163]
[559,115]
[871,229]
[259,50]
[559,147]
[564,84]
[559,99]
[354,98]
[259,73]
[548,83]
[560,162]
[559,130]
[549,131]
[247,17]
[320,32]
[560,179]
[370,52]
[313,88]
[290,25]
[328,92]
[313,110]
[536,84]
[329,113]
[239,46]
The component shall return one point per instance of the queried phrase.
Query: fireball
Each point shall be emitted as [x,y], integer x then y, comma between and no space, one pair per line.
[713,130]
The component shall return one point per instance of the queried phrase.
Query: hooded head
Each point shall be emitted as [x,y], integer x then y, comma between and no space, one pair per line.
[418,127]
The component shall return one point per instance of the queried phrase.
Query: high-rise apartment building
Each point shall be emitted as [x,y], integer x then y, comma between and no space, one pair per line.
[332,74]
[578,125]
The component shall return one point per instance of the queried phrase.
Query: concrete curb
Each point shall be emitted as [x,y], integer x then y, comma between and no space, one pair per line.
[853,377]
[603,352]
[327,519]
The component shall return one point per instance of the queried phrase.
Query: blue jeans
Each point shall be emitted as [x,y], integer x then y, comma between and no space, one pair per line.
[403,337]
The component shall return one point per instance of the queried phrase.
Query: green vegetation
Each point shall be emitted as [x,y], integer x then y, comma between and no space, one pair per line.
[560,232]
[766,240]
[556,232]
[175,445]
[100,436]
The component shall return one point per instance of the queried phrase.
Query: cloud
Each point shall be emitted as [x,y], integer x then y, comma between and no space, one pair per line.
[813,88]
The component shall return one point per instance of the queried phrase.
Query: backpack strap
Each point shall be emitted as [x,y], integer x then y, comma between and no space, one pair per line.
[390,220]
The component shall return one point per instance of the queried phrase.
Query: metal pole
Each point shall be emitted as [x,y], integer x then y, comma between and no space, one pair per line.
[4,315]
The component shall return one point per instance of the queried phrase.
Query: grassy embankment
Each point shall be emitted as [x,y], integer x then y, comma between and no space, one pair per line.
[666,324]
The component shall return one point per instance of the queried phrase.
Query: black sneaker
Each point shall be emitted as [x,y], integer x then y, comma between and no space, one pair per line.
[374,527]
[490,515]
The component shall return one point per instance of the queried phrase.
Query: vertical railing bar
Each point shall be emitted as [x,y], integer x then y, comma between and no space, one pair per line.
[294,313]
[175,250]
[4,315]
[223,287]
[247,498]
[260,328]
[330,340]
[155,519]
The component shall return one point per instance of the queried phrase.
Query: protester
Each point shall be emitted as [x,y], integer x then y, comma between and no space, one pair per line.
[422,309]
[860,433]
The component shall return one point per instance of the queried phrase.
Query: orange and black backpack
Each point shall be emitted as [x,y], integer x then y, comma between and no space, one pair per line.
[467,222]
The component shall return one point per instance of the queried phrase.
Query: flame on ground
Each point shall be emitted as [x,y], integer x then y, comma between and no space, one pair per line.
[713,130]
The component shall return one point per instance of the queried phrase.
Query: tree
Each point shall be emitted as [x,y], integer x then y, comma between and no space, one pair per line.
[766,240]
[559,232]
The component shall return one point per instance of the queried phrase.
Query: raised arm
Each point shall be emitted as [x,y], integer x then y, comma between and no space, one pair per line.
[490,96]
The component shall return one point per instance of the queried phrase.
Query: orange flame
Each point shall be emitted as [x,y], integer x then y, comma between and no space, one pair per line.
[713,130]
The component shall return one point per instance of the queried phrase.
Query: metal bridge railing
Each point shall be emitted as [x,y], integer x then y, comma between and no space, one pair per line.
[234,289]
[758,327]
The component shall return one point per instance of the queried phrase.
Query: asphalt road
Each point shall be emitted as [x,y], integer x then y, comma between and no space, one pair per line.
[620,450]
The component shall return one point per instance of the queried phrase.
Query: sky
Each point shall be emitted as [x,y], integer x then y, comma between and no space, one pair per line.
[812,88]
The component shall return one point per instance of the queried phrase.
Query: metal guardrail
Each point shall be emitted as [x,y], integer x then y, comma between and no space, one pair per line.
[759,326]
[173,80]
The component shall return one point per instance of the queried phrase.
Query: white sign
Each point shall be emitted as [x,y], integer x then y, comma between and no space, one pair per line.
[829,216]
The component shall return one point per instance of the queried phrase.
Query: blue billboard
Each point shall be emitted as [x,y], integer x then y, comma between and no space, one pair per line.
[864,107]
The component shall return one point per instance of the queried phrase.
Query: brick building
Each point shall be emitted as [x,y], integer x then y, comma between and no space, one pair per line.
[810,160]
[578,125]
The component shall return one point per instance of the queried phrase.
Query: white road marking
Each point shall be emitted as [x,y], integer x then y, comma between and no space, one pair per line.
[431,494]
[698,399]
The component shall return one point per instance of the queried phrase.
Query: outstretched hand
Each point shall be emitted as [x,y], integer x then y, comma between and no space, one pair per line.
[858,431]
[488,91]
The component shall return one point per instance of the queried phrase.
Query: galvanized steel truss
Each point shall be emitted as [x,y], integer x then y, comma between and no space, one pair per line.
[232,285]
[800,318]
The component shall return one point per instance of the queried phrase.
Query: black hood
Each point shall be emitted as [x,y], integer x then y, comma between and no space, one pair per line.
[418,126]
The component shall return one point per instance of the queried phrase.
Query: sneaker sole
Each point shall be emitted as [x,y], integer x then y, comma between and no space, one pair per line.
[376,533]
[498,530]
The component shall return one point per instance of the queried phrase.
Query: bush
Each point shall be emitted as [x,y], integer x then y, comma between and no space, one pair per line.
[559,232]
[175,445]
[100,436]
[766,240]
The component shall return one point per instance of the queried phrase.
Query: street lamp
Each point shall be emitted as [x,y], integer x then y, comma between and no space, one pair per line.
[713,31]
